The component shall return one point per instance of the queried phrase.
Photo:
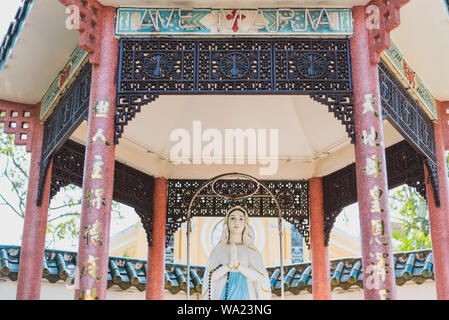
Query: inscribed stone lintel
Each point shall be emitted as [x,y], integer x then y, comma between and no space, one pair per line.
[234,21]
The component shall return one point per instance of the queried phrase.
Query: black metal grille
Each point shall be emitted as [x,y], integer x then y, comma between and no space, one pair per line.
[319,68]
[69,113]
[293,198]
[131,187]
[410,120]
[406,113]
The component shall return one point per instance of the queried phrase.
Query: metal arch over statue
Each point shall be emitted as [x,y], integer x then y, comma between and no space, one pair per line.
[235,197]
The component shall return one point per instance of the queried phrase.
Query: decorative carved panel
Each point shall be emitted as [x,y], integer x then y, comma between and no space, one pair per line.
[389,18]
[90,20]
[339,191]
[406,115]
[18,119]
[319,68]
[405,165]
[293,198]
[131,187]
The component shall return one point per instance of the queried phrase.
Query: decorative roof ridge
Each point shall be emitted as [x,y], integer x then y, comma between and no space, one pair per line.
[47,250]
[14,29]
[178,265]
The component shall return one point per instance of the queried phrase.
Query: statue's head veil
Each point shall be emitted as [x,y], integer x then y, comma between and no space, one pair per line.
[246,236]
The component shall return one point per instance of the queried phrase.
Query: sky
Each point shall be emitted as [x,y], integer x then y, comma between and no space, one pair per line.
[8,9]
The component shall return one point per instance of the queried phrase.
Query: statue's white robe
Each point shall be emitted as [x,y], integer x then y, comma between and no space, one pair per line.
[248,256]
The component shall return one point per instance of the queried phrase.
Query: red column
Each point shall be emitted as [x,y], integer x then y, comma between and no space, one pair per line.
[156,253]
[321,285]
[98,181]
[372,187]
[439,216]
[35,224]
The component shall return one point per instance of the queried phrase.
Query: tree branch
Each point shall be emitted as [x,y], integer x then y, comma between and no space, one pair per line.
[21,200]
[19,167]
[64,215]
[11,206]
[66,205]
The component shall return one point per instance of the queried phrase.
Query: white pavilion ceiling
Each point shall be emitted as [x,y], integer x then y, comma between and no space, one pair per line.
[42,49]
[311,141]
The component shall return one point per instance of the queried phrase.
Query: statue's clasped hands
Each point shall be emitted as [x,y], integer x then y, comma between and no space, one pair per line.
[233,260]
[234,265]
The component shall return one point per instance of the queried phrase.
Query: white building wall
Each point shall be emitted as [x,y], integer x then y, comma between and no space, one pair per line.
[58,291]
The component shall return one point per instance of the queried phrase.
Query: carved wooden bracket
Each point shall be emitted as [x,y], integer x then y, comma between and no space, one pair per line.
[90,20]
[389,18]
[19,120]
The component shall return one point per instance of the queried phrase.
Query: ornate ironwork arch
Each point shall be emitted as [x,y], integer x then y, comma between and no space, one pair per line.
[131,187]
[319,68]
[293,198]
[237,193]
[405,165]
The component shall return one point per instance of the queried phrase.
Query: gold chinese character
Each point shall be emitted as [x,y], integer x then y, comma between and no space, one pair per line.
[370,138]
[376,272]
[95,198]
[92,234]
[378,227]
[368,105]
[380,240]
[381,265]
[384,294]
[373,166]
[102,108]
[90,268]
[376,194]
[100,135]
[89,295]
[97,168]
[378,230]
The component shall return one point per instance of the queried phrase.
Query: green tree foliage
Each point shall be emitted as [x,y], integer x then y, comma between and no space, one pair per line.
[411,210]
[65,208]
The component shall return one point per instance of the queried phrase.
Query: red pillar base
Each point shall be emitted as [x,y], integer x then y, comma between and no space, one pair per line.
[156,253]
[35,225]
[439,216]
[320,253]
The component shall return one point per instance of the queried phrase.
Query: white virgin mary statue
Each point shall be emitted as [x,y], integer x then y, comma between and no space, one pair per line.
[235,268]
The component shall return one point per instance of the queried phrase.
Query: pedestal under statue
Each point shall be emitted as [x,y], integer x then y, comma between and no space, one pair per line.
[235,268]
